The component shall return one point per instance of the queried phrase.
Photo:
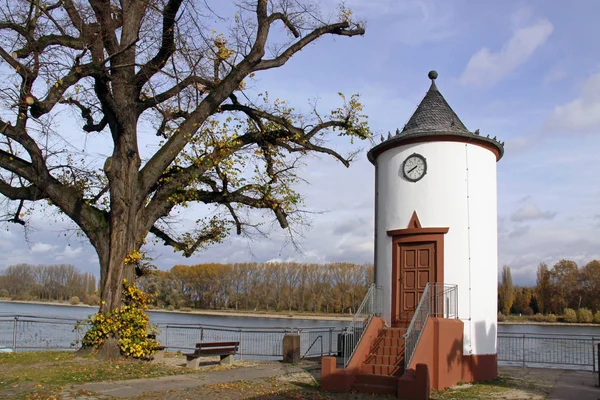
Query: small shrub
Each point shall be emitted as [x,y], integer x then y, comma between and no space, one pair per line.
[74,300]
[597,317]
[551,318]
[585,315]
[92,300]
[22,297]
[3,293]
[129,324]
[501,317]
[528,311]
[570,315]
[539,317]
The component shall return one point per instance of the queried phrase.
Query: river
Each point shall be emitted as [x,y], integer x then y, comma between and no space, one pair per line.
[167,317]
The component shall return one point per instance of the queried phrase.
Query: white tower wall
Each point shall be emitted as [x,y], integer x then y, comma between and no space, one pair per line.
[458,192]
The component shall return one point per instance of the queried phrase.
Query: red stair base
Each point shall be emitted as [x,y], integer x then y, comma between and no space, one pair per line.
[383,366]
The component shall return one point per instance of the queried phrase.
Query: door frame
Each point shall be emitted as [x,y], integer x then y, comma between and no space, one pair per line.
[415,234]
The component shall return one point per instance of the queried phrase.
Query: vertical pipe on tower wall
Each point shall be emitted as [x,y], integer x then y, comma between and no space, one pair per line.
[469,247]
[375,222]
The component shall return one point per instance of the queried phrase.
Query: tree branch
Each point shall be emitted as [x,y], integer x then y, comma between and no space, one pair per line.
[77,72]
[29,193]
[340,28]
[40,44]
[188,248]
[167,46]
[20,68]
[283,18]
[86,113]
[173,91]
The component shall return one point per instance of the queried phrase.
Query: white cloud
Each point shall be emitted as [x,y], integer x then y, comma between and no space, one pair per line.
[549,245]
[413,22]
[69,253]
[581,115]
[487,67]
[519,230]
[42,247]
[531,212]
[556,74]
[521,16]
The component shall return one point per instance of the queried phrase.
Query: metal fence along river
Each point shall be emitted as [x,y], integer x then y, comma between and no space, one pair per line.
[548,350]
[27,333]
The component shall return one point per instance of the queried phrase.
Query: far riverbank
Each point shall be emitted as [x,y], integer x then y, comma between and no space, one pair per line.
[280,315]
[216,313]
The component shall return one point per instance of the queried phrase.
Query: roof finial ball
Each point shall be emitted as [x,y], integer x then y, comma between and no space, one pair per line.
[432,75]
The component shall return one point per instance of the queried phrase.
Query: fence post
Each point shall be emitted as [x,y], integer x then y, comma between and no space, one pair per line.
[241,346]
[321,346]
[15,335]
[598,354]
[77,334]
[166,336]
[593,356]
[523,351]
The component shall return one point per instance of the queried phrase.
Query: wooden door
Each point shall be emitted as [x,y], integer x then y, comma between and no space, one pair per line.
[414,268]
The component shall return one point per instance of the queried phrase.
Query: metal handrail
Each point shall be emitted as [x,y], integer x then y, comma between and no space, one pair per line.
[320,337]
[370,306]
[437,300]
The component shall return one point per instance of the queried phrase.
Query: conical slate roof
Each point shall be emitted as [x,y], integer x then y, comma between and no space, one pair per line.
[434,120]
[434,114]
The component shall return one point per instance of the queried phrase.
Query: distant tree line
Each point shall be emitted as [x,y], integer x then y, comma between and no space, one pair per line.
[272,286]
[48,282]
[565,289]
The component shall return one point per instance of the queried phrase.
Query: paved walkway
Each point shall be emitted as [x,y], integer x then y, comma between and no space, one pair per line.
[136,387]
[576,385]
[571,385]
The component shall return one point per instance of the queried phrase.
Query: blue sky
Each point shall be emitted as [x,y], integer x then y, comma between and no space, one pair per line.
[527,72]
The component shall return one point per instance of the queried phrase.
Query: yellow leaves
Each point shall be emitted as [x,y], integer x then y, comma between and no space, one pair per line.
[128,323]
[344,14]
[222,51]
[133,258]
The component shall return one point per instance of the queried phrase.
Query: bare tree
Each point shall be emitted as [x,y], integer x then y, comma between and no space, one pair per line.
[132,67]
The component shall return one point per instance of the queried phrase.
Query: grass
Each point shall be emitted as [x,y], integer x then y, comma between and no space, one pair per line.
[28,375]
[506,386]
[50,375]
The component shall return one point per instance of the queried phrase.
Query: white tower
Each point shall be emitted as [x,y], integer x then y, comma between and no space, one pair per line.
[436,220]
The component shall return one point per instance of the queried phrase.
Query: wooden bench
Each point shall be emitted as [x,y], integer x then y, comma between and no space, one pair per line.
[225,350]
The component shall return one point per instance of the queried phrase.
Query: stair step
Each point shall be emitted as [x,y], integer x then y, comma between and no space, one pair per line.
[381,380]
[385,341]
[387,351]
[384,359]
[374,389]
[392,332]
[397,342]
[381,369]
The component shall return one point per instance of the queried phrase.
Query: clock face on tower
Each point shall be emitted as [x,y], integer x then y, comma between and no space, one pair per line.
[414,167]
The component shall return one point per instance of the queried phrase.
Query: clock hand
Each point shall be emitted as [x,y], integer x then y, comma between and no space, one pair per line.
[412,169]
